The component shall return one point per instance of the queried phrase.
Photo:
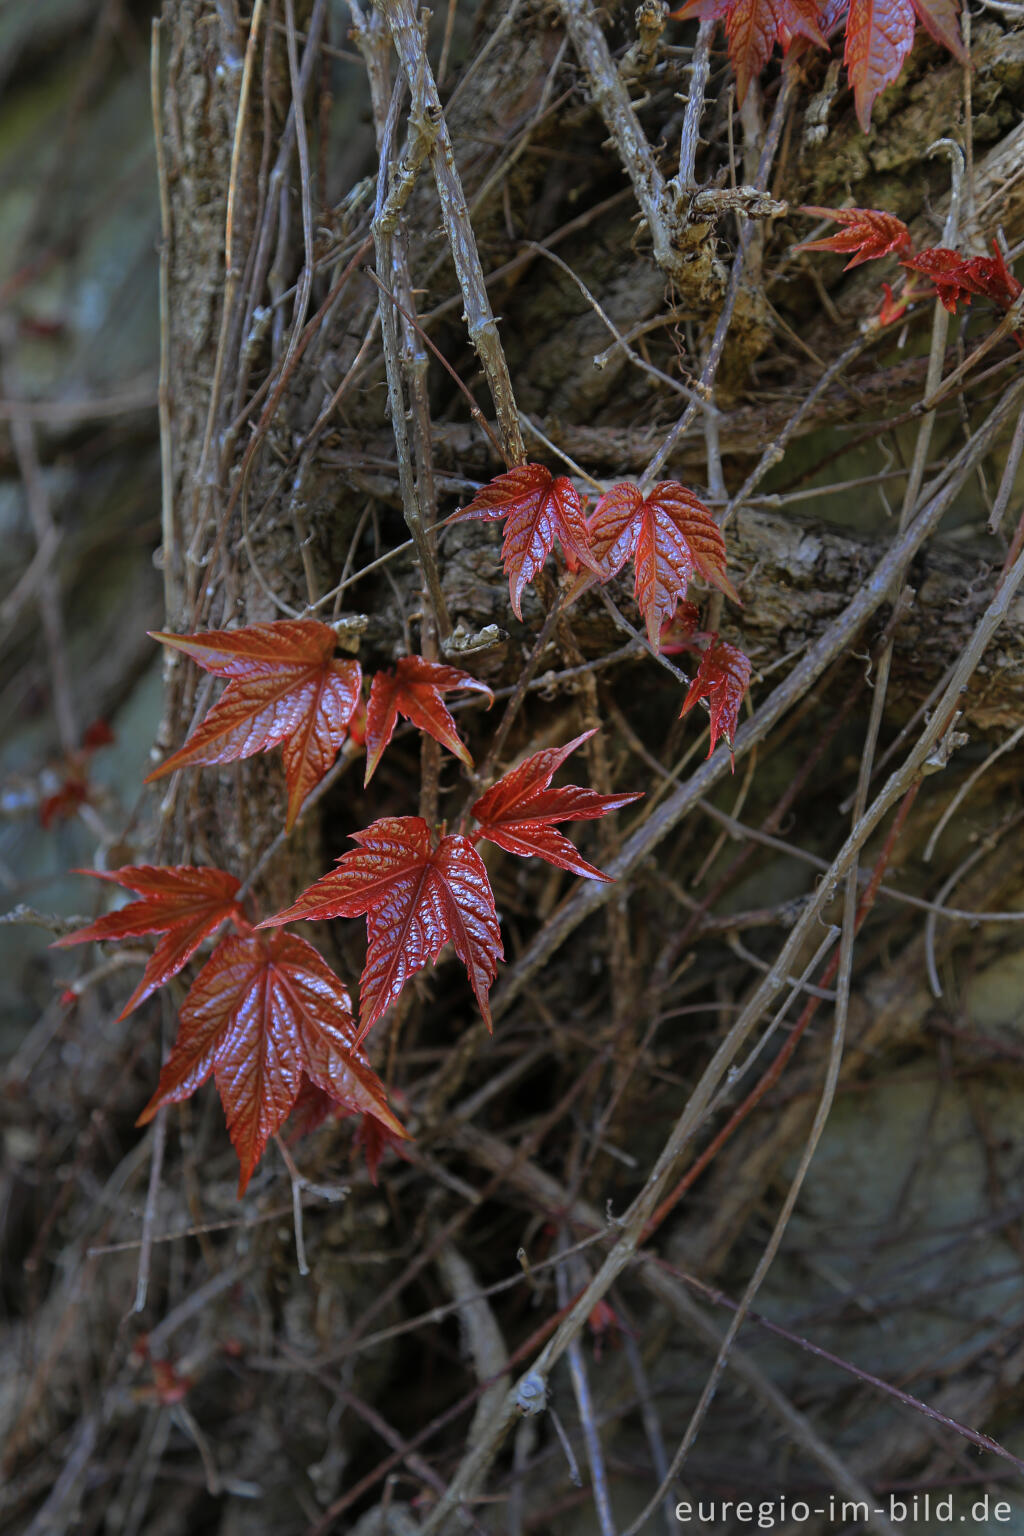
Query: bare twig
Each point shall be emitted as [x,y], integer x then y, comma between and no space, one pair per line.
[689,139]
[156,1163]
[480,321]
[171,550]
[585,1406]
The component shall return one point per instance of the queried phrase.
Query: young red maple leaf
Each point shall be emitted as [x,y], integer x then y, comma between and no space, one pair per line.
[518,813]
[263,1011]
[285,685]
[375,1139]
[670,535]
[416,899]
[536,507]
[753,27]
[184,903]
[880,34]
[867,233]
[722,678]
[414,690]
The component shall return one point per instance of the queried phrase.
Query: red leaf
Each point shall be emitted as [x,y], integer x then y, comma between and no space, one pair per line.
[97,735]
[313,1107]
[285,685]
[753,27]
[263,1011]
[519,812]
[416,899]
[414,690]
[680,631]
[893,308]
[992,277]
[879,35]
[957,278]
[867,232]
[184,903]
[375,1139]
[942,19]
[670,536]
[536,507]
[722,678]
[67,801]
[832,15]
[947,271]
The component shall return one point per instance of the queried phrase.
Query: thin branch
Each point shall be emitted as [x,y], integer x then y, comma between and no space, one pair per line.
[700,71]
[585,1407]
[46,580]
[170,541]
[480,321]
[965,789]
[156,1163]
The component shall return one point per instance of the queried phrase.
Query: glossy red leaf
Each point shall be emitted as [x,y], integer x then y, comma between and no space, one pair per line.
[285,686]
[948,273]
[519,812]
[414,690]
[537,508]
[867,234]
[264,1011]
[753,27]
[416,899]
[832,15]
[879,35]
[722,678]
[184,903]
[670,535]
